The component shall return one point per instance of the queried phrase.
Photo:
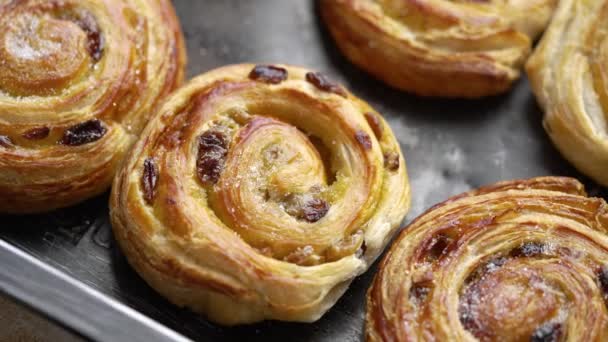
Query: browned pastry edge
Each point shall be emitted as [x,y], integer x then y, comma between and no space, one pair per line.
[53,158]
[373,42]
[424,291]
[568,77]
[227,204]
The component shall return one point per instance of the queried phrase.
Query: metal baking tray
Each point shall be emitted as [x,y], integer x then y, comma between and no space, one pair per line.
[66,265]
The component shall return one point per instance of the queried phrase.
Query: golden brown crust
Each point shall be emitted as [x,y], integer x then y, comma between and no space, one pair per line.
[568,76]
[77,82]
[438,47]
[519,260]
[259,192]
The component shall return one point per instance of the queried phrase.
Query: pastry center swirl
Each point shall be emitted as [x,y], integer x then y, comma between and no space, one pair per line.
[509,302]
[523,260]
[279,170]
[41,53]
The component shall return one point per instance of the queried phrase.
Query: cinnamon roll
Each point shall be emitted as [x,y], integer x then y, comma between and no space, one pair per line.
[568,76]
[78,80]
[447,48]
[259,192]
[522,260]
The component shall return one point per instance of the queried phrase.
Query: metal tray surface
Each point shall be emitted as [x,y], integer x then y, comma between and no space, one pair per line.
[450,146]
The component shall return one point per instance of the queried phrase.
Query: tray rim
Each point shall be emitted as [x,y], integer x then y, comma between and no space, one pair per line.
[73,304]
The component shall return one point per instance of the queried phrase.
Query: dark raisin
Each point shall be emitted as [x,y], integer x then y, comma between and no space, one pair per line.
[95,42]
[6,142]
[324,83]
[602,277]
[84,133]
[438,245]
[213,139]
[550,332]
[37,133]
[467,312]
[391,161]
[149,180]
[268,74]
[364,139]
[375,124]
[528,249]
[210,166]
[467,318]
[212,151]
[314,210]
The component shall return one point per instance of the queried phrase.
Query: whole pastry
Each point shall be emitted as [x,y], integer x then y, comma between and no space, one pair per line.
[78,79]
[522,260]
[259,192]
[447,48]
[568,75]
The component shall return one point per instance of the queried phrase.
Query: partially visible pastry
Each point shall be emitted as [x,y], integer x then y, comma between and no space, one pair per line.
[460,48]
[522,260]
[259,192]
[570,80]
[78,80]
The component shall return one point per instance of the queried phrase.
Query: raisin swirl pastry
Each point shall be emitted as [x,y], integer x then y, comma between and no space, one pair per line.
[568,76]
[448,48]
[78,79]
[522,260]
[259,192]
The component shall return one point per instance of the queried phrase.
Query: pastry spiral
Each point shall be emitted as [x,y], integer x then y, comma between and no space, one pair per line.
[448,48]
[78,79]
[259,192]
[569,78]
[522,260]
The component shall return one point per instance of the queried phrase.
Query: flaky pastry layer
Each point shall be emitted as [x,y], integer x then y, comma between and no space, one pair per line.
[522,260]
[569,78]
[259,192]
[445,48]
[78,80]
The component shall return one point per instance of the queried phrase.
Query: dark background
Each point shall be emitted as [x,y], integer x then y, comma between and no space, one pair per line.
[450,146]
